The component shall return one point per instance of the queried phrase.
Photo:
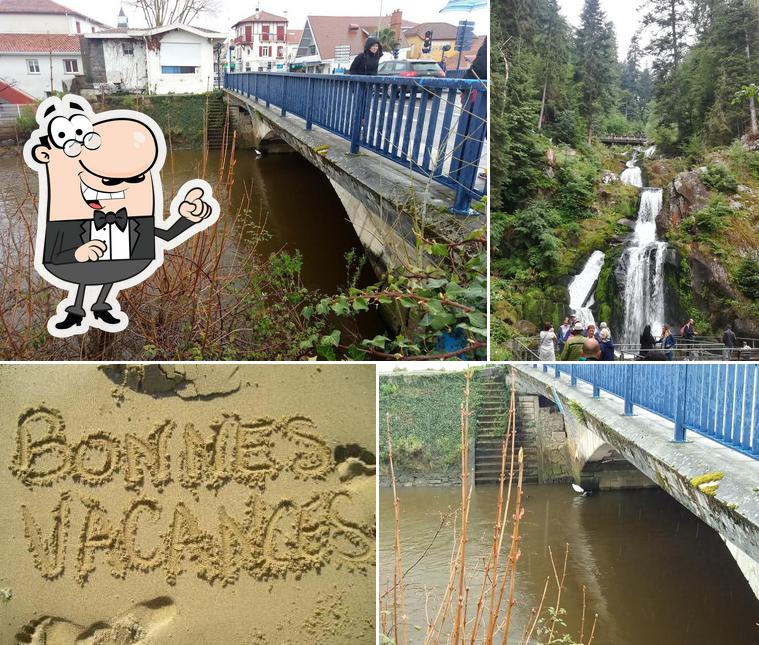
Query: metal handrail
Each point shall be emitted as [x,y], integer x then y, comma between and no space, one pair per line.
[373,113]
[718,401]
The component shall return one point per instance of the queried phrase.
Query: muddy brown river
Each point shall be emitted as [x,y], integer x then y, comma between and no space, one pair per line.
[654,573]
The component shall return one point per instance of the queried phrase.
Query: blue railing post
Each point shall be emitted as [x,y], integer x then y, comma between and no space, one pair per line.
[681,393]
[545,368]
[284,95]
[556,372]
[255,87]
[629,384]
[469,142]
[359,106]
[267,98]
[310,104]
[596,389]
[573,375]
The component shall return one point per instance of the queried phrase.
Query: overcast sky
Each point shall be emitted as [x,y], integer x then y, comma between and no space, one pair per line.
[623,13]
[233,10]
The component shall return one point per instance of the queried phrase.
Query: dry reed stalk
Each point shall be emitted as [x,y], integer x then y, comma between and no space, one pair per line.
[535,613]
[397,568]
[559,585]
[460,607]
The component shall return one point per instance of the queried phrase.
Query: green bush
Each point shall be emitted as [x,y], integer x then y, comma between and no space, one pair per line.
[718,177]
[747,276]
[27,121]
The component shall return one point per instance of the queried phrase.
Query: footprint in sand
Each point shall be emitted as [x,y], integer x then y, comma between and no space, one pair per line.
[139,625]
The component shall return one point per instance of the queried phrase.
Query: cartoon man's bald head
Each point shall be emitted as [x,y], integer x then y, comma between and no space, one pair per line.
[97,165]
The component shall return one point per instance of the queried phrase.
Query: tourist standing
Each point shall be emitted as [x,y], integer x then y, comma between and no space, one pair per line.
[730,342]
[647,341]
[564,331]
[573,346]
[667,342]
[547,347]
[607,345]
[687,333]
[591,350]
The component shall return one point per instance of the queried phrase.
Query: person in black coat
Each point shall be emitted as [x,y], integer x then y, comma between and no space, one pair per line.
[367,62]
[479,67]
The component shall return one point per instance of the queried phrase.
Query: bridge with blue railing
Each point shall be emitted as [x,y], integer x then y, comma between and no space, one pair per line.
[718,401]
[435,127]
[691,429]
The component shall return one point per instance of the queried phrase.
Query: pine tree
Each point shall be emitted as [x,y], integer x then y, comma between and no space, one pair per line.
[596,66]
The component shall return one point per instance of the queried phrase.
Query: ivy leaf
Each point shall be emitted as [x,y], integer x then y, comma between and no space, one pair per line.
[477,319]
[385,300]
[436,283]
[378,341]
[361,304]
[332,340]
[341,307]
[323,307]
[407,302]
[307,312]
[439,250]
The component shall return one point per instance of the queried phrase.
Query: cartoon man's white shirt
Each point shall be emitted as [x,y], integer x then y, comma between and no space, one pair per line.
[116,241]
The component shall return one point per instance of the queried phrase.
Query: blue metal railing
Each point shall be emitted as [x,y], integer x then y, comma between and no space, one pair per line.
[719,401]
[439,129]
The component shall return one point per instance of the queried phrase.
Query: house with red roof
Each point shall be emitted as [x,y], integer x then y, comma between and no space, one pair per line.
[39,48]
[259,43]
[330,43]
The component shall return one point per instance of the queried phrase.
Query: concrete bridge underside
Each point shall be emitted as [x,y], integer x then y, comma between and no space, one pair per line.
[386,203]
[598,434]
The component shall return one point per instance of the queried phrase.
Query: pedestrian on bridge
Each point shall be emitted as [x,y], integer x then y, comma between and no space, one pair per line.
[573,346]
[647,341]
[547,347]
[564,332]
[731,342]
[667,342]
[367,62]
[687,333]
[607,345]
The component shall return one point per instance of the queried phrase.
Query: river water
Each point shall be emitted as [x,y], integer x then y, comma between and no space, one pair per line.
[290,198]
[654,573]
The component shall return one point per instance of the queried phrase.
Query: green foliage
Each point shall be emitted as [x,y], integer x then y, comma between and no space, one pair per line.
[718,177]
[709,220]
[425,419]
[27,121]
[439,308]
[747,276]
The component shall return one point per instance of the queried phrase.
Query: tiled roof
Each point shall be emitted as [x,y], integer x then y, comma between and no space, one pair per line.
[294,36]
[39,43]
[440,30]
[261,16]
[40,6]
[330,31]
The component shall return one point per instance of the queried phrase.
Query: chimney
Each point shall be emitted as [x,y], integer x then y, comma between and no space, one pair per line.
[122,22]
[396,19]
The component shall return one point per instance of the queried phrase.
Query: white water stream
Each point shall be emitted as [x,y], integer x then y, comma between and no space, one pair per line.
[581,289]
[632,174]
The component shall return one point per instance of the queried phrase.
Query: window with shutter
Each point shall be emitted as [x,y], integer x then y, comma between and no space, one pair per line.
[280,33]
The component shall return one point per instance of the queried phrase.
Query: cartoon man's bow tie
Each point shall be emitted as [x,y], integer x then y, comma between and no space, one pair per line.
[119,218]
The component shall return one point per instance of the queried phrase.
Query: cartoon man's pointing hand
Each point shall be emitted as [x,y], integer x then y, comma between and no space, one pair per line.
[101,205]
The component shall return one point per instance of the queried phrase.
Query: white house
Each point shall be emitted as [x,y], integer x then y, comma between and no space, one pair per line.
[39,48]
[260,43]
[177,59]
[39,64]
[43,17]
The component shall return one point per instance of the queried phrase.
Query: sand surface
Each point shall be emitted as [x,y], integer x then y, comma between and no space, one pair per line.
[187,504]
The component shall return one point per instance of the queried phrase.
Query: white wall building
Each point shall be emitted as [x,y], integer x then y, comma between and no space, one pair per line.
[175,59]
[39,48]
[259,43]
[43,17]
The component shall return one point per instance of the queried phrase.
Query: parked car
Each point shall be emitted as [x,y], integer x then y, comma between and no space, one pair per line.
[411,68]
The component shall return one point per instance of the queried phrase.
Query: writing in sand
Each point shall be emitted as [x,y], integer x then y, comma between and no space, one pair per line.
[266,540]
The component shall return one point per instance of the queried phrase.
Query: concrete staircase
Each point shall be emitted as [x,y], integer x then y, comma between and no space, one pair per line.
[215,119]
[492,421]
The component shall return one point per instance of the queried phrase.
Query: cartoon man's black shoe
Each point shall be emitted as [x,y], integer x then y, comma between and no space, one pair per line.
[71,320]
[106,316]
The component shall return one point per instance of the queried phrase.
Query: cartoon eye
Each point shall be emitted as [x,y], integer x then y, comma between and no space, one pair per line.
[82,126]
[60,131]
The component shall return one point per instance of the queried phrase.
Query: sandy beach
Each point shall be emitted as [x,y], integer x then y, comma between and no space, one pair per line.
[187,504]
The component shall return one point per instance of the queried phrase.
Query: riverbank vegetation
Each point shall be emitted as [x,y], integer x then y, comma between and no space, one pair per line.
[477,604]
[688,84]
[219,297]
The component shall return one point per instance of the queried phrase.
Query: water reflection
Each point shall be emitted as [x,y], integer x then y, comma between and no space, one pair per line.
[653,572]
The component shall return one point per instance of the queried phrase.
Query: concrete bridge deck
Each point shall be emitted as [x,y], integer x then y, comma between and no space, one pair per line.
[716,483]
[385,202]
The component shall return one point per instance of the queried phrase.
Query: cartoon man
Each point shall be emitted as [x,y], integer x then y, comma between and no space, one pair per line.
[100,220]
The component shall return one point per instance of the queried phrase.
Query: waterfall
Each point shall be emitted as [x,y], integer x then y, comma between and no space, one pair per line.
[632,174]
[644,279]
[581,297]
[649,152]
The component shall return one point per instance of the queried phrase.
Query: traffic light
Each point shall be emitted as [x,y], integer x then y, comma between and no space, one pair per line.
[427,44]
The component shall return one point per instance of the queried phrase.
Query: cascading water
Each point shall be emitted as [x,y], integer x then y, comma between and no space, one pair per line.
[632,174]
[580,289]
[643,263]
